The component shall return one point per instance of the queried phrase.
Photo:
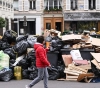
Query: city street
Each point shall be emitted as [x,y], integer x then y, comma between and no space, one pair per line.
[71,31]
[52,84]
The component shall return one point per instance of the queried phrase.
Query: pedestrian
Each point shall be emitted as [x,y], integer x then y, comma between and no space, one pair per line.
[41,63]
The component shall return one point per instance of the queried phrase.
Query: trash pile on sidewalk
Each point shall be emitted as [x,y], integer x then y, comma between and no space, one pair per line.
[70,57]
[76,66]
[21,58]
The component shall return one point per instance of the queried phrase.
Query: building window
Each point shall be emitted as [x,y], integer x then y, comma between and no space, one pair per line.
[15,4]
[71,4]
[92,4]
[56,4]
[52,4]
[4,3]
[8,5]
[97,4]
[48,26]
[32,4]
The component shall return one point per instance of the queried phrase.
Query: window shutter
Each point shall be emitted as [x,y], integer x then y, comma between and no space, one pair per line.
[67,4]
[20,3]
[86,4]
[97,4]
[26,5]
[38,5]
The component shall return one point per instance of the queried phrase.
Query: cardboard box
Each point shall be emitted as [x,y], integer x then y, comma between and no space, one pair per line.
[71,66]
[68,76]
[67,59]
[83,76]
[96,63]
[95,41]
[71,37]
[80,62]
[76,55]
[85,66]
[71,77]
[46,33]
[76,46]
[96,56]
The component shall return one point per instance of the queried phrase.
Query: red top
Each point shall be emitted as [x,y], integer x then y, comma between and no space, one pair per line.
[41,56]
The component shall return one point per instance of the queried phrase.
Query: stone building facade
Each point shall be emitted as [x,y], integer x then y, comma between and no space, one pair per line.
[81,15]
[7,12]
[30,11]
[63,15]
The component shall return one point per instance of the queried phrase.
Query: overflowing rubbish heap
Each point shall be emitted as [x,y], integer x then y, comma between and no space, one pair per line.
[17,58]
[71,56]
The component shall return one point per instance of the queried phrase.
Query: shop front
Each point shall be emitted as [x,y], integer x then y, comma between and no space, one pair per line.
[30,24]
[77,22]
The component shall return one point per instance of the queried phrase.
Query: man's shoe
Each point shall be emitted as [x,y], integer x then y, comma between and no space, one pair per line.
[27,86]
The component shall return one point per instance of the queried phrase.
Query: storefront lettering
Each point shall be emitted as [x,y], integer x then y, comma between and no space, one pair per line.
[82,16]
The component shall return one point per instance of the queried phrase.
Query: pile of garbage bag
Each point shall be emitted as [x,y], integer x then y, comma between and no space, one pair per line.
[15,50]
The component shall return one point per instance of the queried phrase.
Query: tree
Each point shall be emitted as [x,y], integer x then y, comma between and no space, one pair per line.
[2,22]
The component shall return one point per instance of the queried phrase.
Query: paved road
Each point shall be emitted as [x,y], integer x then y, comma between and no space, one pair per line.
[52,84]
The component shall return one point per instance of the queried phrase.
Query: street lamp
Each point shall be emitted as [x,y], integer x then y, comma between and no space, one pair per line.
[25,24]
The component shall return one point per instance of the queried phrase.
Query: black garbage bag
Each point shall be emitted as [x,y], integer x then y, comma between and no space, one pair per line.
[9,36]
[31,41]
[11,62]
[22,38]
[56,45]
[61,71]
[23,63]
[48,39]
[4,45]
[31,58]
[21,47]
[32,68]
[33,74]
[6,74]
[10,52]
[25,74]
[53,73]
[95,70]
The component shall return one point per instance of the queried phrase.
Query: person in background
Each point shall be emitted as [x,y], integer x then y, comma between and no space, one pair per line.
[41,63]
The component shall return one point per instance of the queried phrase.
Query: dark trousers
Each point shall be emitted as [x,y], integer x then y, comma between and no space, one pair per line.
[42,74]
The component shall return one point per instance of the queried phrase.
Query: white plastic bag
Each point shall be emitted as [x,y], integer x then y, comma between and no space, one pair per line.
[4,60]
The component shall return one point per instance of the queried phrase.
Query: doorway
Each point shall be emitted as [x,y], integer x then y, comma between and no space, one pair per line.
[53,23]
[58,26]
[30,28]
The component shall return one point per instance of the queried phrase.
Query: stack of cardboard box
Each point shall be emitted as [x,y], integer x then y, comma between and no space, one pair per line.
[72,71]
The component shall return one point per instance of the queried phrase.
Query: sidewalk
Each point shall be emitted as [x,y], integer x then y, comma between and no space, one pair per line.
[52,84]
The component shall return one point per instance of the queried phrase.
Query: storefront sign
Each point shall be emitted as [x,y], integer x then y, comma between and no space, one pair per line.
[81,16]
